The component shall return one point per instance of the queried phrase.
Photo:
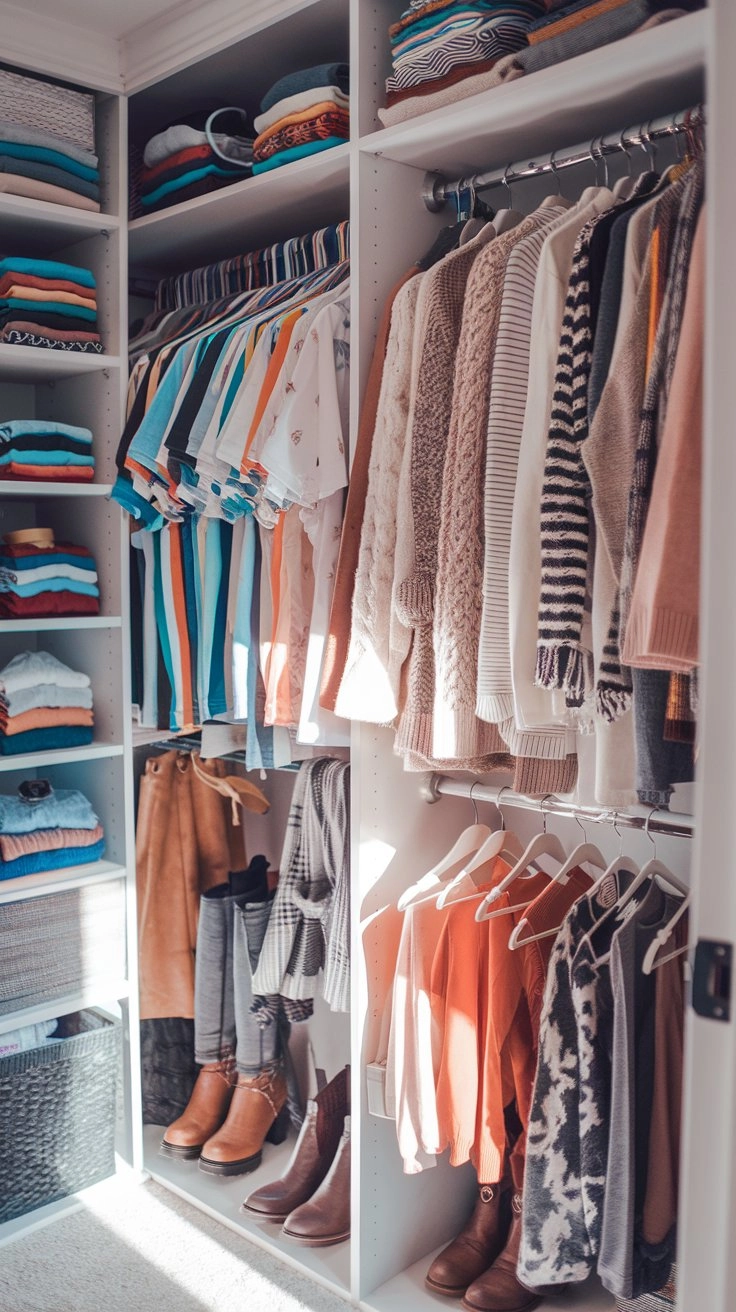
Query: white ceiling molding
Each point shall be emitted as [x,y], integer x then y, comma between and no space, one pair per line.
[192,30]
[49,45]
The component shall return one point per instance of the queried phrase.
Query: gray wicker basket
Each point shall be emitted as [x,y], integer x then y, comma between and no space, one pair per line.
[57,1114]
[52,946]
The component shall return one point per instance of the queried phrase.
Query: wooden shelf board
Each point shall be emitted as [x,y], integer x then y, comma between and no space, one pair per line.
[67,756]
[41,364]
[93,994]
[30,490]
[58,881]
[61,623]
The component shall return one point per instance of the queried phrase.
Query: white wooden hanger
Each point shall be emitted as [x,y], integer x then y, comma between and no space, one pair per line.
[653,868]
[453,863]
[584,854]
[544,844]
[652,961]
[502,842]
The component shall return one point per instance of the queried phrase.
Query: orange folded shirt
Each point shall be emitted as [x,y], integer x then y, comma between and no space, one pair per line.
[13,846]
[17,471]
[44,717]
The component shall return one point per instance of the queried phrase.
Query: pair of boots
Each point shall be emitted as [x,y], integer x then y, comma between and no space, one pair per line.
[480,1265]
[227,1119]
[311,1201]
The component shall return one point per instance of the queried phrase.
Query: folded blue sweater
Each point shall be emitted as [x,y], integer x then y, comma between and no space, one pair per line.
[297,152]
[58,859]
[53,739]
[29,427]
[61,584]
[46,156]
[64,808]
[47,269]
[8,303]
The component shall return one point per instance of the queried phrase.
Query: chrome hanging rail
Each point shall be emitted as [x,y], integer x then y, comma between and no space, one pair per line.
[651,819]
[437,190]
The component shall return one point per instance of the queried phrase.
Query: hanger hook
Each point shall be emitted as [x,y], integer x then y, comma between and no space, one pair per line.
[624,146]
[555,174]
[505,788]
[652,840]
[473,802]
[617,831]
[581,826]
[505,182]
[544,813]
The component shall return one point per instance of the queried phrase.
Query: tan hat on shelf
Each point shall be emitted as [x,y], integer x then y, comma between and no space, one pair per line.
[30,537]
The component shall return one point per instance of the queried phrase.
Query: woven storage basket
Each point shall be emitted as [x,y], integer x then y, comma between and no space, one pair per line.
[57,1114]
[52,946]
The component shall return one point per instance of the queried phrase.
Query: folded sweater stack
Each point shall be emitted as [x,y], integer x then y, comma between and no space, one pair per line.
[56,578]
[44,705]
[192,158]
[52,833]
[34,449]
[452,39]
[302,114]
[47,142]
[44,303]
[567,28]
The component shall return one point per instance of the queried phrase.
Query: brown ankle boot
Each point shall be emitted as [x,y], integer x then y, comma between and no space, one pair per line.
[478,1244]
[312,1156]
[205,1111]
[499,1290]
[325,1218]
[257,1111]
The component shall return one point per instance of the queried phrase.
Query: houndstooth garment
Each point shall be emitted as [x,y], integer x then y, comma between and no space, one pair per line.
[309,926]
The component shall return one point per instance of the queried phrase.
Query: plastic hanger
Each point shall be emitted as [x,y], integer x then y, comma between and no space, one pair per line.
[652,961]
[505,220]
[465,846]
[653,868]
[501,843]
[584,854]
[544,844]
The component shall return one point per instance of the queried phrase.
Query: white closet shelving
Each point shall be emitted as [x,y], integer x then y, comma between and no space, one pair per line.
[233,53]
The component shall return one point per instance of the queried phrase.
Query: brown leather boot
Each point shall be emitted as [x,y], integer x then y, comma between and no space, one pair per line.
[478,1244]
[312,1157]
[205,1111]
[325,1219]
[499,1290]
[257,1111]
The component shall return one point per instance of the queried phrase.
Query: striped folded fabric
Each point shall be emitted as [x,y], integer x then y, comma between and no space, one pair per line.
[302,115]
[52,302]
[36,722]
[439,40]
[35,450]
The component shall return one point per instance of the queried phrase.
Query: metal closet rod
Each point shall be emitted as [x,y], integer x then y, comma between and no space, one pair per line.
[437,190]
[676,824]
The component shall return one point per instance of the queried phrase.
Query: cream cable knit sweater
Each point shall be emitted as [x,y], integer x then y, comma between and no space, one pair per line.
[370,683]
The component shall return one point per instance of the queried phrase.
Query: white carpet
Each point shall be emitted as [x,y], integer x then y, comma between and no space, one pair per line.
[139,1248]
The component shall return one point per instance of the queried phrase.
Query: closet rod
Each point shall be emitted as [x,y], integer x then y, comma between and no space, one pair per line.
[676,824]
[437,190]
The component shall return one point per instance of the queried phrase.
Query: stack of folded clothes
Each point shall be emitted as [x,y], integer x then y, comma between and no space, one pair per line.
[193,157]
[33,449]
[47,142]
[44,705]
[303,113]
[48,832]
[40,577]
[483,43]
[44,303]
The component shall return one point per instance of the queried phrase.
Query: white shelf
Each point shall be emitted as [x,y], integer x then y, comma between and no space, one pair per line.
[60,624]
[90,995]
[32,489]
[564,105]
[220,1197]
[67,756]
[260,210]
[408,1290]
[59,881]
[53,226]
[41,364]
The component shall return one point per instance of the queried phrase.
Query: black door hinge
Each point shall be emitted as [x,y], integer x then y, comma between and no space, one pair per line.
[711,994]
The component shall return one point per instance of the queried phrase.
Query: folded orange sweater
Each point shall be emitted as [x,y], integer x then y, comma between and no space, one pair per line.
[13,846]
[44,717]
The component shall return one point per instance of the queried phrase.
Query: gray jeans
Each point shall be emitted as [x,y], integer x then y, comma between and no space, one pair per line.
[229,941]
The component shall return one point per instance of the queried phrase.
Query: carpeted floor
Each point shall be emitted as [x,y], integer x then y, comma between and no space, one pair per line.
[139,1248]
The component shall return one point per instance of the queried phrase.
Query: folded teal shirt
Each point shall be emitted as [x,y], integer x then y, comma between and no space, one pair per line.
[297,152]
[59,858]
[28,427]
[45,156]
[8,303]
[64,808]
[186,180]
[53,739]
[50,585]
[45,458]
[47,269]
[17,565]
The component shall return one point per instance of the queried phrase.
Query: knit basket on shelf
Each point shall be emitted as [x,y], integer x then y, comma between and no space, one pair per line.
[52,946]
[57,1114]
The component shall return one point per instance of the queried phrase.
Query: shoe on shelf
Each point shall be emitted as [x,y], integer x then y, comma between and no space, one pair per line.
[325,1218]
[204,1113]
[257,1112]
[477,1246]
[499,1290]
[313,1155]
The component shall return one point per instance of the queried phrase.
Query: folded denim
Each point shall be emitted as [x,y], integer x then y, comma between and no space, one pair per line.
[46,740]
[64,808]
[28,427]
[61,859]
[14,846]
[45,694]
